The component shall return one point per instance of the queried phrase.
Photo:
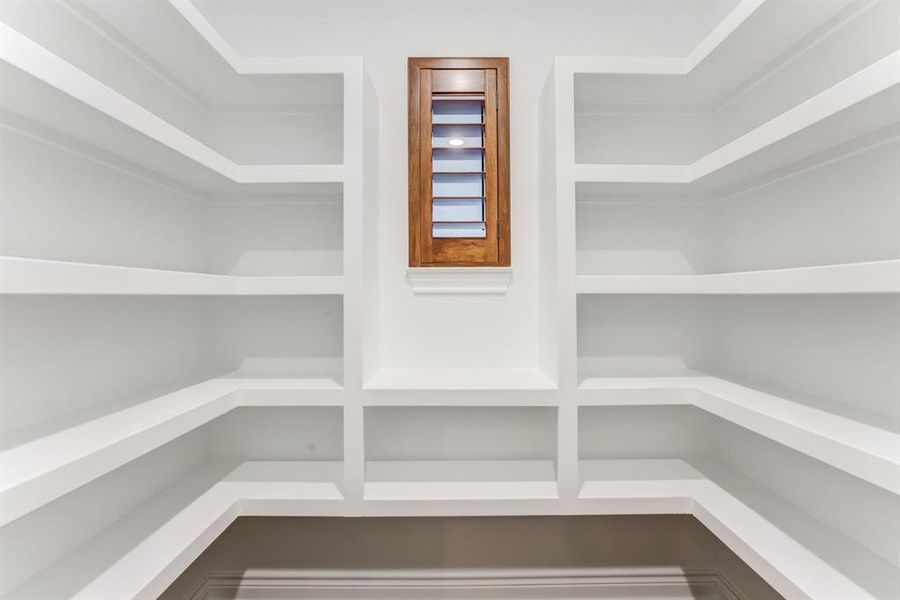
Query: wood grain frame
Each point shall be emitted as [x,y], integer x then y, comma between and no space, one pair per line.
[494,250]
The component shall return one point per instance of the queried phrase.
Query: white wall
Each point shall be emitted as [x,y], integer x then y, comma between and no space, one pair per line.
[94,350]
[427,332]
[455,433]
[91,211]
[838,211]
[91,350]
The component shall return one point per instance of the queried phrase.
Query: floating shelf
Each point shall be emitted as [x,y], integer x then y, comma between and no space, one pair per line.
[798,556]
[874,277]
[77,105]
[36,276]
[142,553]
[457,481]
[861,103]
[868,449]
[39,471]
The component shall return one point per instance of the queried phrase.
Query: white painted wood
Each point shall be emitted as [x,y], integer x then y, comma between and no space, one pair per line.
[459,379]
[720,34]
[35,276]
[436,280]
[54,464]
[764,227]
[250,65]
[810,118]
[821,118]
[482,480]
[855,278]
[150,546]
[705,79]
[862,449]
[138,556]
[639,65]
[185,157]
[37,472]
[776,540]
[142,553]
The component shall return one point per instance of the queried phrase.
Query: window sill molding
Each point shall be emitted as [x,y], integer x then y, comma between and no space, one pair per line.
[460,280]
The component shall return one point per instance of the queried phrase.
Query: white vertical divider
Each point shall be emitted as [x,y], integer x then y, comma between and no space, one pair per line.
[356,198]
[548,265]
[371,236]
[563,82]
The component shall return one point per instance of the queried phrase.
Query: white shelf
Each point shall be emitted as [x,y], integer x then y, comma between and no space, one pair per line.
[797,555]
[141,554]
[874,277]
[39,471]
[460,398]
[506,481]
[861,103]
[717,65]
[77,105]
[460,379]
[456,280]
[36,276]
[867,449]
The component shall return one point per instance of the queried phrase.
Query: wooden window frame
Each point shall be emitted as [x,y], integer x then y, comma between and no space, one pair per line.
[424,250]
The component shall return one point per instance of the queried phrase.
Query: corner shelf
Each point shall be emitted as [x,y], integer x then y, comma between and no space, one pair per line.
[873,277]
[864,102]
[141,554]
[41,470]
[82,107]
[797,555]
[867,449]
[37,276]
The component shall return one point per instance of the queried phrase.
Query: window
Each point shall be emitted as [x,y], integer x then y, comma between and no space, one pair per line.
[458,162]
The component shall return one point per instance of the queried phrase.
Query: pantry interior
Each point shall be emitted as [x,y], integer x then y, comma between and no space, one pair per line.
[207,314]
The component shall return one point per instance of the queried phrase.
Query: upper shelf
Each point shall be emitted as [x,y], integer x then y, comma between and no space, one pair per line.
[854,278]
[36,276]
[864,102]
[46,89]
[717,66]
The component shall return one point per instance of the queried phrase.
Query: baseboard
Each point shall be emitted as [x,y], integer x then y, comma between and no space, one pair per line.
[600,584]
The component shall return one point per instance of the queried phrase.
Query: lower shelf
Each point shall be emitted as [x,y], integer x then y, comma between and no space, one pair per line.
[42,469]
[142,553]
[423,481]
[857,442]
[798,556]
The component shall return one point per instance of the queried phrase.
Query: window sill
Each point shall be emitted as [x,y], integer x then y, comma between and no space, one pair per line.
[460,280]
